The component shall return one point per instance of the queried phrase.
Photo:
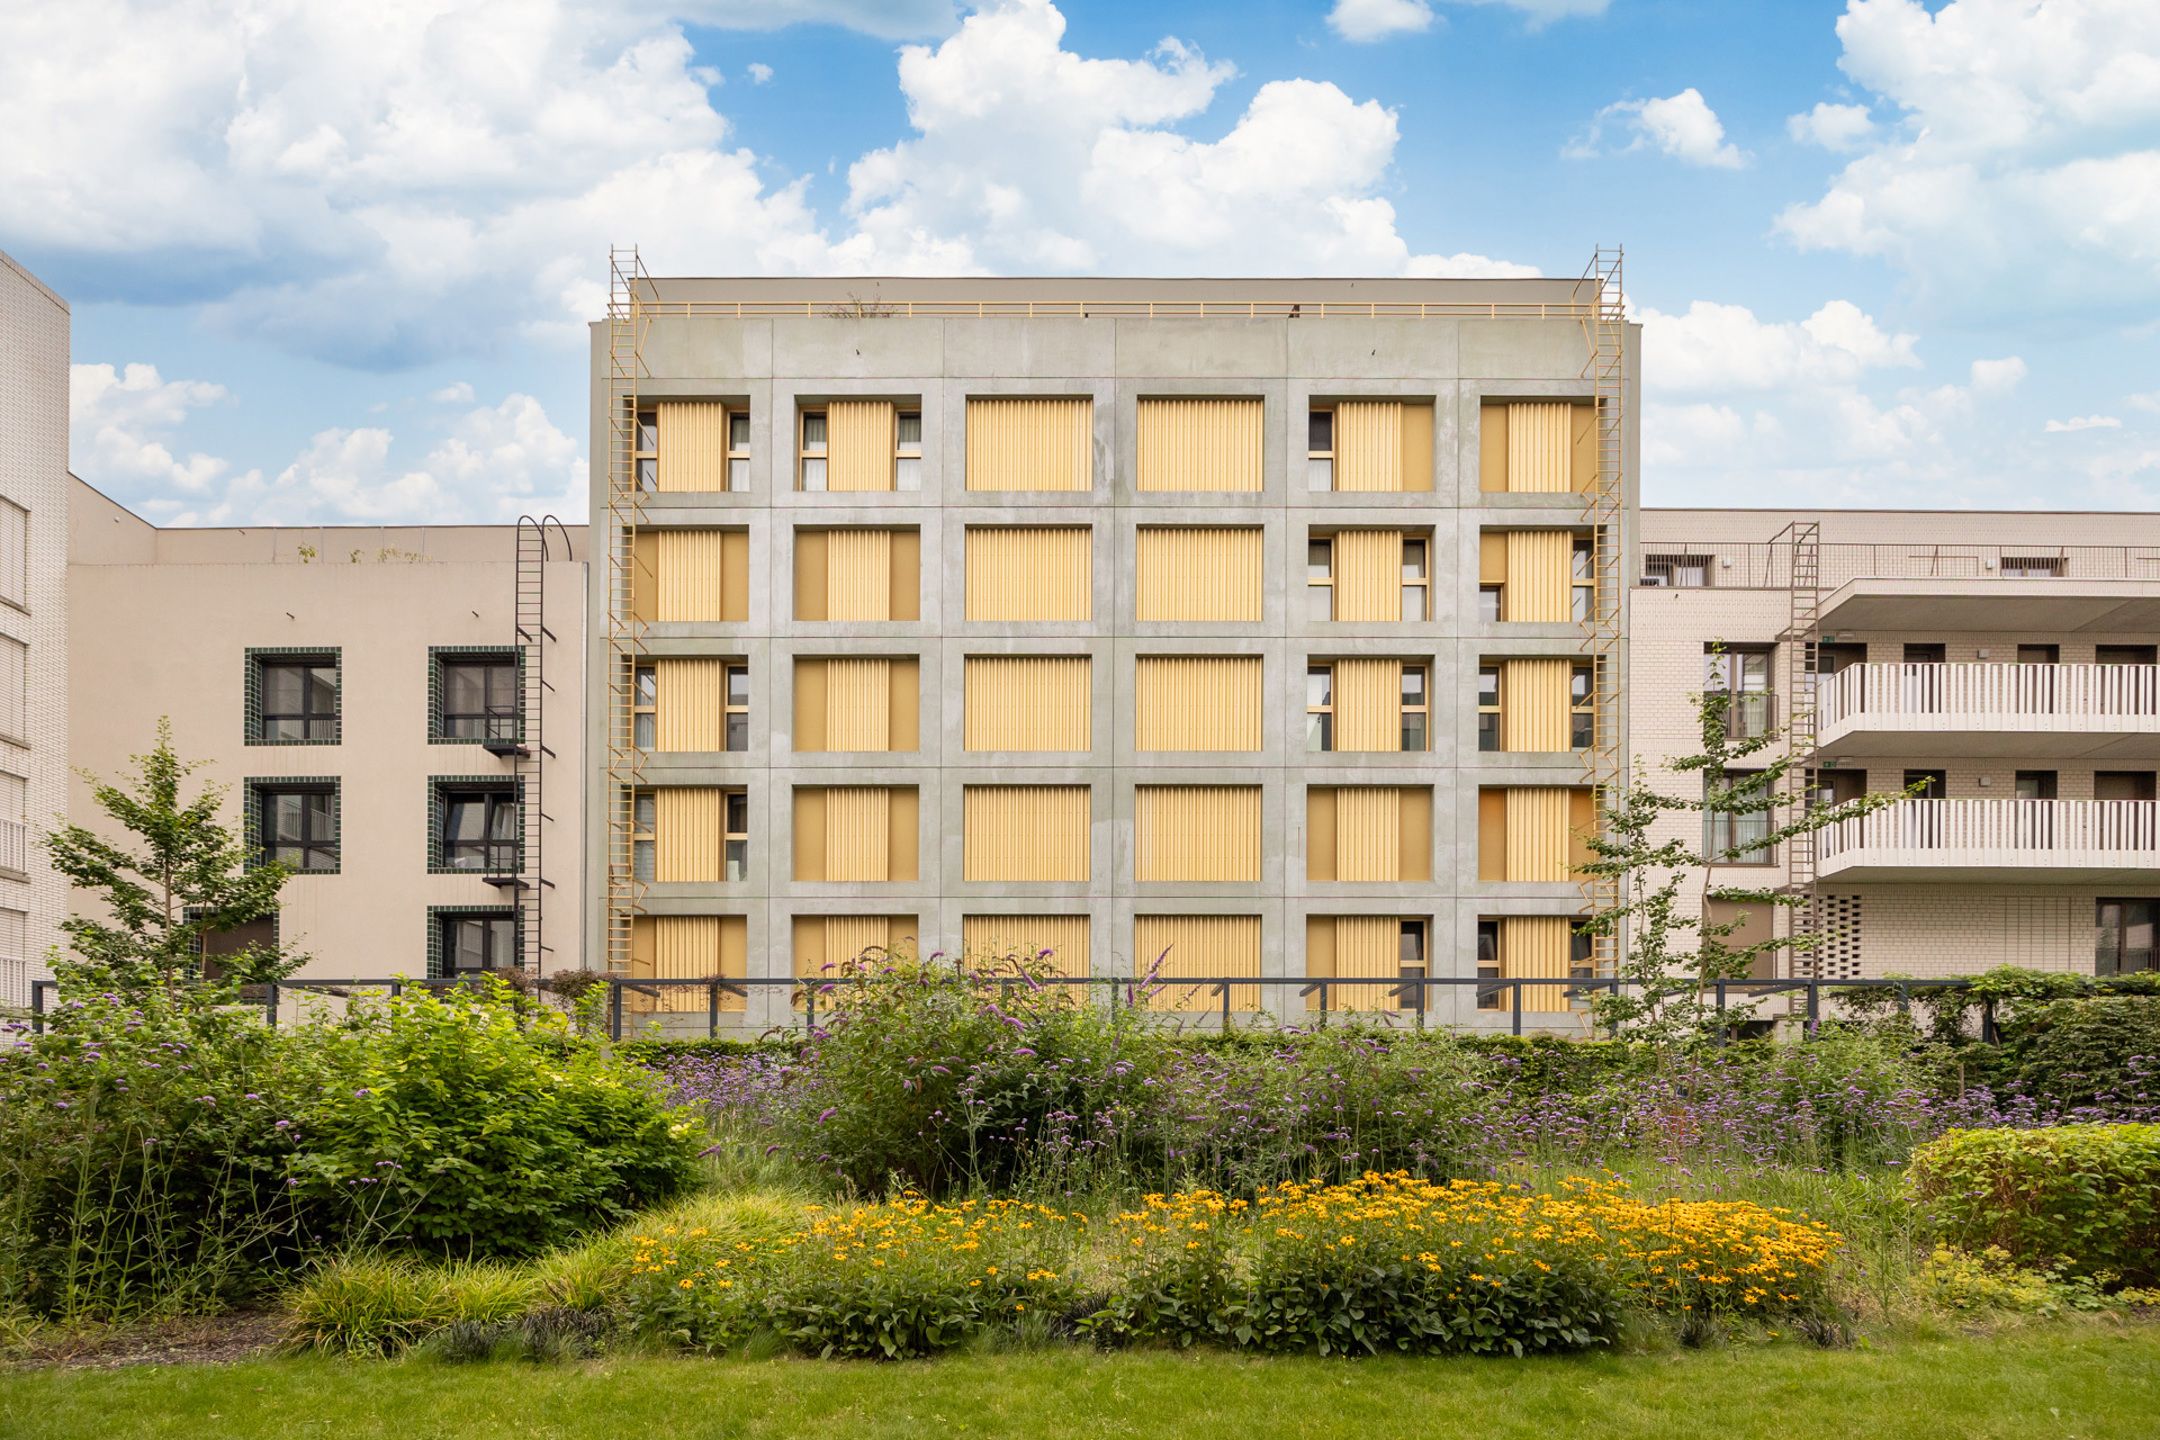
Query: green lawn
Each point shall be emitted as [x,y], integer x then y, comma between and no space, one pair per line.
[2071,1381]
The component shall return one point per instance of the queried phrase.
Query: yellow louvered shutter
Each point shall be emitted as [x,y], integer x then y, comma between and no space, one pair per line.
[1030,444]
[1540,577]
[1369,446]
[858,704]
[1025,833]
[859,574]
[1540,448]
[1535,705]
[690,710]
[1170,948]
[688,947]
[861,439]
[1367,947]
[686,835]
[1200,573]
[1030,572]
[1027,702]
[1368,575]
[1537,947]
[1368,705]
[688,575]
[993,937]
[1213,445]
[858,833]
[1368,833]
[1537,829]
[826,944]
[1198,702]
[693,446]
[1198,833]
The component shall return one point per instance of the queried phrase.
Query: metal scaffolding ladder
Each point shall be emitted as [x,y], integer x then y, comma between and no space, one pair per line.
[527,744]
[1801,641]
[629,291]
[1604,312]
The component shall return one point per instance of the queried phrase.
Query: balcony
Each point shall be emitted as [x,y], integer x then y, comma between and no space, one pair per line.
[2101,842]
[2099,713]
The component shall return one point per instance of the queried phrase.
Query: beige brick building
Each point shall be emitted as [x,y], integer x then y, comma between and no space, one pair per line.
[2003,662]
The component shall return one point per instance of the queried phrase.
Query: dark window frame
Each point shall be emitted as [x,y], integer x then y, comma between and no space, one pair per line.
[259,661]
[495,855]
[440,659]
[442,919]
[260,792]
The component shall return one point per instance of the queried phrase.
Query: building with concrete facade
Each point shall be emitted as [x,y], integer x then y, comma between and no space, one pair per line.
[387,707]
[2002,663]
[33,619]
[1139,621]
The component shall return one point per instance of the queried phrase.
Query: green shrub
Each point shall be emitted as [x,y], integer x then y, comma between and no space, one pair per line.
[2082,1198]
[380,1304]
[2082,1053]
[463,1125]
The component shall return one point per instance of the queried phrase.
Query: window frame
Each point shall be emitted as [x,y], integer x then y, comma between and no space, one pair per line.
[729,710]
[442,952]
[1488,736]
[644,705]
[1721,830]
[504,658]
[262,794]
[1582,705]
[1664,571]
[738,457]
[804,454]
[448,791]
[2126,906]
[263,660]
[1582,578]
[1326,712]
[1313,454]
[734,843]
[1411,999]
[2030,567]
[1326,580]
[645,450]
[1423,709]
[907,479]
[644,835]
[1422,584]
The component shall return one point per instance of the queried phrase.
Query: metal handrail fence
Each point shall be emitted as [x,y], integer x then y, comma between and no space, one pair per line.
[1133,994]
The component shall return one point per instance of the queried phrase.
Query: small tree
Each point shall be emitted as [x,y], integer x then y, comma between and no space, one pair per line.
[1671,956]
[186,878]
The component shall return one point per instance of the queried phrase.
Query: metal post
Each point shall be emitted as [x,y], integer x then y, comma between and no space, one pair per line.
[1225,1007]
[809,1008]
[614,1001]
[270,1004]
[712,1009]
[1987,1021]
[1323,1004]
[1424,998]
[37,1007]
[1814,1008]
[1721,1031]
[1515,1004]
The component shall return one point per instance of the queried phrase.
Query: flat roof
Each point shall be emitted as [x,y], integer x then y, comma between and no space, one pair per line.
[1111,291]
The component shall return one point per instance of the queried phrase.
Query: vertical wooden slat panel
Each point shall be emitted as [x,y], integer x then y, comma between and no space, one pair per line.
[1027,702]
[690,947]
[1030,572]
[689,705]
[996,936]
[1582,421]
[1417,448]
[1492,557]
[825,944]
[690,574]
[858,833]
[686,834]
[1211,445]
[903,833]
[1417,803]
[1540,577]
[1368,705]
[1366,947]
[1492,448]
[693,446]
[1368,833]
[1027,443]
[860,443]
[1369,446]
[1540,448]
[1492,833]
[1200,573]
[1025,833]
[1535,709]
[1320,829]
[735,575]
[1174,947]
[1537,947]
[858,575]
[1199,833]
[1537,833]
[1198,702]
[858,704]
[1368,575]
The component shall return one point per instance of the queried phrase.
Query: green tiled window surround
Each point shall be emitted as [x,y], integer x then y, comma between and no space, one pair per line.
[438,959]
[441,791]
[255,658]
[255,787]
[513,724]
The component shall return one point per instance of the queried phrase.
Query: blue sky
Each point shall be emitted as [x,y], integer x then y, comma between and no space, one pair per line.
[330,263]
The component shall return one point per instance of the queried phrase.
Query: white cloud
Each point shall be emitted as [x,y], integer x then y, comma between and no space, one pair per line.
[457,392]
[1834,127]
[124,422]
[759,72]
[2147,401]
[1682,126]
[2003,374]
[2082,422]
[2022,171]
[1544,12]
[1368,20]
[1714,348]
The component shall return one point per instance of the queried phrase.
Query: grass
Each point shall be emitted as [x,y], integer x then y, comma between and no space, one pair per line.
[2089,1381]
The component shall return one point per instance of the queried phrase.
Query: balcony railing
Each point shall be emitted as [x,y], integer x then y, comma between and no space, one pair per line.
[1761,565]
[1994,697]
[1997,834]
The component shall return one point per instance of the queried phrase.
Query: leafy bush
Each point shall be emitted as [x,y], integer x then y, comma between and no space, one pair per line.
[2082,1198]
[380,1304]
[460,1123]
[144,1148]
[2091,1054]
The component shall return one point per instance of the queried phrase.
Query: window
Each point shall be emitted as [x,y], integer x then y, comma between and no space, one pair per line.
[2034,785]
[1416,707]
[1832,658]
[479,697]
[907,460]
[1546,705]
[859,445]
[1731,838]
[737,736]
[1320,580]
[1582,706]
[1320,708]
[1368,706]
[690,834]
[479,829]
[1416,580]
[2031,567]
[2125,944]
[645,707]
[1210,574]
[812,455]
[1680,572]
[2123,654]
[735,833]
[644,831]
[1488,708]
[296,823]
[686,705]
[1488,604]
[1345,579]
[295,699]
[645,450]
[1410,954]
[14,689]
[2039,654]
[1832,788]
[14,553]
[1582,562]
[1742,674]
[1530,947]
[2122,784]
[1320,450]
[215,948]
[472,941]
[738,450]
[1201,444]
